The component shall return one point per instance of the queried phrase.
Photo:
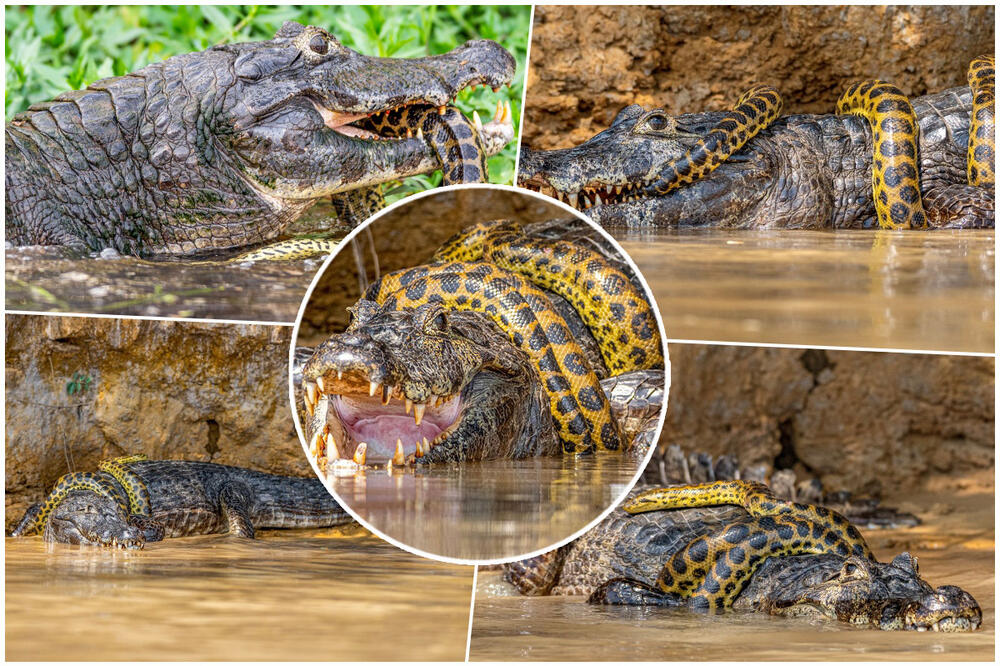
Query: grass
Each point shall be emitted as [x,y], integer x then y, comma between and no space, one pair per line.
[52,49]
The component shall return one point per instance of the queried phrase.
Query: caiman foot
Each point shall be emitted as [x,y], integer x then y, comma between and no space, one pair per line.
[627,592]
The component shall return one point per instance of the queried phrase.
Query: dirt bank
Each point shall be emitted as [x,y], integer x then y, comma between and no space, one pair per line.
[587,63]
[860,421]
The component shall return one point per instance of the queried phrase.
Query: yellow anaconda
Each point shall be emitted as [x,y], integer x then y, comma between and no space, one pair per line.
[134,502]
[981,163]
[619,318]
[712,569]
[135,488]
[895,180]
[895,174]
[525,313]
[757,108]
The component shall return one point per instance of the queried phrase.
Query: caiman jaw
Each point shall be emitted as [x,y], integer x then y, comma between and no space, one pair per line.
[593,194]
[371,422]
[502,123]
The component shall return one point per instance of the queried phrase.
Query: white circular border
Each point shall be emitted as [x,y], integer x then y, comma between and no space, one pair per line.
[343,245]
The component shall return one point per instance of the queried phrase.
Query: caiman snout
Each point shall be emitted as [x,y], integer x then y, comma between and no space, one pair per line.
[948,608]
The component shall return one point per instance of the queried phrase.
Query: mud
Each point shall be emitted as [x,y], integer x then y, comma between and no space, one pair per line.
[210,392]
[587,63]
[868,422]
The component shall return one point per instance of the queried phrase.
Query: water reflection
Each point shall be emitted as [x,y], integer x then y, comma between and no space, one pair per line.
[290,595]
[915,290]
[488,510]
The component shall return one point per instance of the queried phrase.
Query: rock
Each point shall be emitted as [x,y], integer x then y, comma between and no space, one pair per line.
[589,63]
[860,421]
[167,389]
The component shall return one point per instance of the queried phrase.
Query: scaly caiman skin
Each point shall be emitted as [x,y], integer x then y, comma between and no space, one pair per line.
[499,354]
[223,148]
[769,555]
[802,171]
[131,501]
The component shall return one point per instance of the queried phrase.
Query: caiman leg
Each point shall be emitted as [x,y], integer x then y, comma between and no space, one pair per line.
[895,180]
[235,500]
[757,108]
[34,520]
[981,140]
[711,571]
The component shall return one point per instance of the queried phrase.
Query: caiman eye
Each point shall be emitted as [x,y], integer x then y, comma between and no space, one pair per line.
[436,321]
[850,569]
[657,122]
[318,44]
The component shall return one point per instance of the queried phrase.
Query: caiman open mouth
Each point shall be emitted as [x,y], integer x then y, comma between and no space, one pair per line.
[371,422]
[592,194]
[349,124]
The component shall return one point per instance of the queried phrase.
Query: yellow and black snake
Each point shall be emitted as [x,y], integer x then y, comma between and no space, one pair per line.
[895,174]
[713,569]
[132,496]
[481,269]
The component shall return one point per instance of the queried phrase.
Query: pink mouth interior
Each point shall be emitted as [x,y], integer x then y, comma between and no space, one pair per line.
[367,420]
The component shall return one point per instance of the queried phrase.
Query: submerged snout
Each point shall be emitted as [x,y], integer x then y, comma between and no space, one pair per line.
[948,608]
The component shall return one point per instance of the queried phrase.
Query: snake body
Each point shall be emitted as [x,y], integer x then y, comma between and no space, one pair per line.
[712,570]
[895,180]
[981,164]
[757,108]
[449,133]
[895,173]
[496,269]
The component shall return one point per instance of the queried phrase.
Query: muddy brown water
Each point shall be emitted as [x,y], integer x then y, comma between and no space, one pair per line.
[954,545]
[45,279]
[290,595]
[913,290]
[487,510]
[211,286]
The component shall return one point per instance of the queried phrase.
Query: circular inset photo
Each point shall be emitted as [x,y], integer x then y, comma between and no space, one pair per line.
[479,374]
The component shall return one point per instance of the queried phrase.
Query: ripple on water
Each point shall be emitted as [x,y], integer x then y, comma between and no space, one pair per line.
[290,595]
[912,290]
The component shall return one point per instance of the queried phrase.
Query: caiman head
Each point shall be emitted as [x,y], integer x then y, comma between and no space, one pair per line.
[88,518]
[611,174]
[423,384]
[858,591]
[302,109]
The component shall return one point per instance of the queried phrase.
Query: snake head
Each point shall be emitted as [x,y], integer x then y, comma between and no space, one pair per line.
[87,518]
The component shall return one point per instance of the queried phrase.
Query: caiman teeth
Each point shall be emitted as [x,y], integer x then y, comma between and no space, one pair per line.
[476,121]
[372,387]
[419,453]
[399,458]
[314,443]
[418,412]
[332,452]
[359,453]
[409,406]
[319,383]
[386,394]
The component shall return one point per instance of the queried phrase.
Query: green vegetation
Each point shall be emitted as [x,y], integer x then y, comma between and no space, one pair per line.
[79,384]
[51,49]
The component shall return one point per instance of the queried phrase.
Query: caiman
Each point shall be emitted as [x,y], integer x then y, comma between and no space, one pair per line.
[925,164]
[131,501]
[734,545]
[225,147]
[509,342]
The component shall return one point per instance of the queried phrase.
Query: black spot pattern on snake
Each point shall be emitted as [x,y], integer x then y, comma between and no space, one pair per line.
[773,528]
